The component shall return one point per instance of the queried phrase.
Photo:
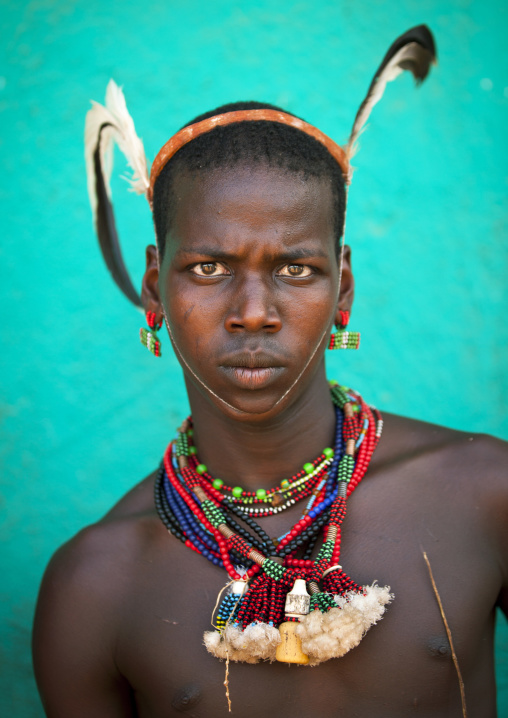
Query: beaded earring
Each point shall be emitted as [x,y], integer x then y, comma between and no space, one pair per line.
[342,339]
[148,337]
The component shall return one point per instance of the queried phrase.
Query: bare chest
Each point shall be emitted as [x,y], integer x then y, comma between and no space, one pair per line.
[403,664]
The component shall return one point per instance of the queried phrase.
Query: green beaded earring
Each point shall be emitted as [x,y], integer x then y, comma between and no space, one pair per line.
[342,339]
[148,337]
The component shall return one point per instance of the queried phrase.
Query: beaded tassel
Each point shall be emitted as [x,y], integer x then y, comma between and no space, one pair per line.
[199,511]
[230,605]
[148,337]
[342,339]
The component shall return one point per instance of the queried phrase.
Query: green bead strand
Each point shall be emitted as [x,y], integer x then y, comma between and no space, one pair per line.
[213,513]
[273,569]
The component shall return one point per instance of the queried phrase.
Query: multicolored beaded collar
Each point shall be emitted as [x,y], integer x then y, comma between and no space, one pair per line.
[263,502]
[267,613]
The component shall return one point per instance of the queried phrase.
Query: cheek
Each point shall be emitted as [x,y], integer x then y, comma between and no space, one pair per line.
[193,312]
[312,307]
[307,312]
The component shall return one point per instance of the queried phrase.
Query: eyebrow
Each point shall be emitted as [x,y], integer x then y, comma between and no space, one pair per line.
[291,255]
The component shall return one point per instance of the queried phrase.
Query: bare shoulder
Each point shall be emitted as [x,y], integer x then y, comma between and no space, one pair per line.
[81,608]
[465,470]
[85,581]
[453,455]
[97,557]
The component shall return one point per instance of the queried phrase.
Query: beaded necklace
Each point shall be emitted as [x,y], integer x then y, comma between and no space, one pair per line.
[262,502]
[261,617]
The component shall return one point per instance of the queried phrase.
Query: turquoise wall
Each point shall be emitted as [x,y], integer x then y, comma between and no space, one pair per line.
[85,410]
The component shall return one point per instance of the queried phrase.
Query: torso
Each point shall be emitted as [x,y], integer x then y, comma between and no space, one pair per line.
[419,495]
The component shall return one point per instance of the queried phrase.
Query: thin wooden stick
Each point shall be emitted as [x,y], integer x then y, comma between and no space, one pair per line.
[449,634]
[226,680]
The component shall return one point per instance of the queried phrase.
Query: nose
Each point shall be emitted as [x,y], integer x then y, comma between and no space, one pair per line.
[253,308]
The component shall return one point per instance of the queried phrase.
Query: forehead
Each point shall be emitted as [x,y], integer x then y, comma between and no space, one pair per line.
[251,203]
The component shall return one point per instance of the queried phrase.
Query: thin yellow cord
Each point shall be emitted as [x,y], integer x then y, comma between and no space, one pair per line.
[449,634]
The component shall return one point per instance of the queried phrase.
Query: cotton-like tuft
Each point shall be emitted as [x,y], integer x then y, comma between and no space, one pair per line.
[257,643]
[333,634]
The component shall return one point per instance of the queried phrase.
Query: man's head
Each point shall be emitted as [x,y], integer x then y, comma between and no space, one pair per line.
[226,140]
[252,143]
[248,220]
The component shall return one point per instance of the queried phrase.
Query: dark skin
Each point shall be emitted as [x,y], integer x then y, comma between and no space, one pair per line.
[250,275]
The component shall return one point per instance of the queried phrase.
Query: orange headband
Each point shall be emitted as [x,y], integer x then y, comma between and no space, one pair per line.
[192,131]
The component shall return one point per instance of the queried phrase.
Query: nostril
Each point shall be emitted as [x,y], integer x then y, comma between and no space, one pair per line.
[253,324]
[253,310]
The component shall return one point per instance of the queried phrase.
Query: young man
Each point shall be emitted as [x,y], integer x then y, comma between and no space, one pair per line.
[249,276]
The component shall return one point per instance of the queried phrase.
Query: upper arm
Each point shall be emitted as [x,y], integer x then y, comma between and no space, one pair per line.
[74,637]
[494,486]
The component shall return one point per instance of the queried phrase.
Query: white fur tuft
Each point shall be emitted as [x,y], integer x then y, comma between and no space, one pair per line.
[332,634]
[257,643]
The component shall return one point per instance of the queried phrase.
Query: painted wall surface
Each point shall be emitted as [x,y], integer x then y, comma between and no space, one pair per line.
[86,412]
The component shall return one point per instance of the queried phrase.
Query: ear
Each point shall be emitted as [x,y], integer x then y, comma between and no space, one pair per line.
[347,284]
[150,296]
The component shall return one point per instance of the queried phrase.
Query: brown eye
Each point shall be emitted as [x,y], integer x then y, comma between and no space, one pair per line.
[209,269]
[295,270]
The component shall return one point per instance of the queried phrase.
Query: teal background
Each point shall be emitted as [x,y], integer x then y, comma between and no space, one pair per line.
[85,411]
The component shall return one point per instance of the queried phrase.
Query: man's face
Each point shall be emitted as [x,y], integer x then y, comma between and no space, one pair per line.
[249,284]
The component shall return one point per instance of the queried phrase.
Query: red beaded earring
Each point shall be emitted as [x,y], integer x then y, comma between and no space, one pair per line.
[342,339]
[148,337]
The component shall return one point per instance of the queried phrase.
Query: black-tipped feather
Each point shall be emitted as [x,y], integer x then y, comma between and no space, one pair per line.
[106,230]
[419,34]
[414,51]
[104,126]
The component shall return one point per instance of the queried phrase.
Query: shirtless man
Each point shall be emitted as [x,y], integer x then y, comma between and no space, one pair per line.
[248,270]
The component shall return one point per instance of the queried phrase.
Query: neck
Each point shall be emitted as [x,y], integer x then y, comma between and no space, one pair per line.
[259,454]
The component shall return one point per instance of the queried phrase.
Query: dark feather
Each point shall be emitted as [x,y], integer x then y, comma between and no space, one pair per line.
[417,51]
[106,230]
[423,37]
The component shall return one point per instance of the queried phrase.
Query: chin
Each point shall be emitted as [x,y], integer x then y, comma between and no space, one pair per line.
[247,404]
[253,411]
[251,394]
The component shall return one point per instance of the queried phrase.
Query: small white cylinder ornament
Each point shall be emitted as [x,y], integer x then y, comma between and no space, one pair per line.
[297,600]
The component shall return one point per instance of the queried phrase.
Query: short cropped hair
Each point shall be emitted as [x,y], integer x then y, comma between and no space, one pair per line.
[248,143]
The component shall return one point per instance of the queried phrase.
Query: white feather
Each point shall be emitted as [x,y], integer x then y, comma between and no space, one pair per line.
[392,70]
[121,131]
